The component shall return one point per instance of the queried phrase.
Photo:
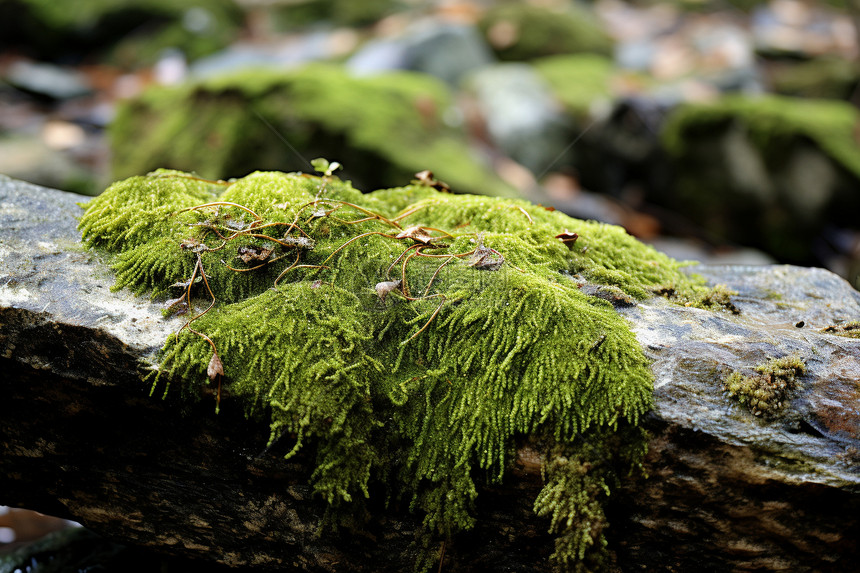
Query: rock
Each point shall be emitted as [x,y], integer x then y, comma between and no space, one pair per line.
[47,80]
[729,490]
[382,129]
[522,117]
[522,31]
[765,172]
[133,33]
[446,51]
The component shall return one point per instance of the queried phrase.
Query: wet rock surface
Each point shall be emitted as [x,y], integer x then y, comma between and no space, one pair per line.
[728,490]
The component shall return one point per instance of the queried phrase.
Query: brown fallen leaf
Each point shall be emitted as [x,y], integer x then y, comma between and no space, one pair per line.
[215,368]
[252,253]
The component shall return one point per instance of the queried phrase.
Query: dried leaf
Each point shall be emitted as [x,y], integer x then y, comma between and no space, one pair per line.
[300,242]
[176,306]
[485,258]
[251,253]
[417,234]
[185,284]
[568,238]
[383,288]
[193,245]
[425,178]
[215,368]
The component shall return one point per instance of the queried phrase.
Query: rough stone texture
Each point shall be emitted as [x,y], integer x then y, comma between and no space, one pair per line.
[80,436]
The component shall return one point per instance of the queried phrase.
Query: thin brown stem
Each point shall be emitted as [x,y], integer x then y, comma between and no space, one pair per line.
[222,203]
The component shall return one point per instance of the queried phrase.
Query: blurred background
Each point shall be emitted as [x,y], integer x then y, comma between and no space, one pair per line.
[723,131]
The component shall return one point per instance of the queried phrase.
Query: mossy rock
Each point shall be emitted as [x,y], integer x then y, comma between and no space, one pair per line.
[384,128]
[768,172]
[287,16]
[520,31]
[578,81]
[828,78]
[135,31]
[406,336]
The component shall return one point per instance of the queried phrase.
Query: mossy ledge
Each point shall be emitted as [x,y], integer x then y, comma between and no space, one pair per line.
[405,336]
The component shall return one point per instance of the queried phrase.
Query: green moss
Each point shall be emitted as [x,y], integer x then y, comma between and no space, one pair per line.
[578,81]
[520,31]
[850,329]
[421,384]
[383,128]
[772,122]
[197,27]
[768,391]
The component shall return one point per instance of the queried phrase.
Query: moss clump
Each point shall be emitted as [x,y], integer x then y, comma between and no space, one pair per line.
[383,128]
[136,31]
[850,329]
[520,31]
[578,81]
[766,392]
[407,336]
[772,123]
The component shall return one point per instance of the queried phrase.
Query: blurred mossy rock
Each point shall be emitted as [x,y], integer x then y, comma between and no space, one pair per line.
[729,490]
[521,31]
[284,15]
[133,32]
[520,113]
[827,78]
[768,172]
[382,129]
[580,82]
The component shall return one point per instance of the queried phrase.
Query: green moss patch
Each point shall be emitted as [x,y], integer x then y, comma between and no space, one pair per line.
[772,123]
[769,390]
[520,31]
[383,128]
[406,336]
[578,81]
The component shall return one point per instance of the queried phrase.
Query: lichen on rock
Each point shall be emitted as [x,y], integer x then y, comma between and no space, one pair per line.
[484,334]
[768,391]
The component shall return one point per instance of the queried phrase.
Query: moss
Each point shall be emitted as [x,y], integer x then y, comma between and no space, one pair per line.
[772,122]
[197,27]
[766,392]
[413,361]
[578,81]
[850,329]
[519,32]
[383,128]
[829,78]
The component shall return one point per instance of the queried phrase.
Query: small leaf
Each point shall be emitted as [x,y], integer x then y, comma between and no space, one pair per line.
[215,368]
[568,238]
[251,253]
[417,234]
[322,165]
[425,179]
[383,288]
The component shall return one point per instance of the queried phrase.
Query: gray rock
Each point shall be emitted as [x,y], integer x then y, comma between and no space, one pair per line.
[446,51]
[728,490]
[47,80]
[522,117]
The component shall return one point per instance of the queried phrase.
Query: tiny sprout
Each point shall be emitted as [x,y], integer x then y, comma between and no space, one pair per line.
[322,165]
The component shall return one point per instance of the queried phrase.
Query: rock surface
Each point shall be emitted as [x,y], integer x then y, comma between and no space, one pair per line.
[82,438]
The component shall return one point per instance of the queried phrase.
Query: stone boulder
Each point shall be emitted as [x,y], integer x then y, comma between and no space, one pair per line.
[727,489]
